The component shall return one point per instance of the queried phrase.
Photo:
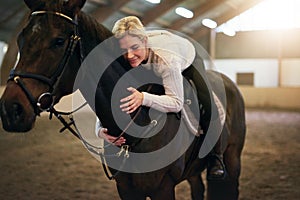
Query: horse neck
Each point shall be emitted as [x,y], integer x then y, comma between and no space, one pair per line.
[91,33]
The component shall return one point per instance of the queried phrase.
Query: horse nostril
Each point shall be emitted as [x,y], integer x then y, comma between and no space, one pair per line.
[17,111]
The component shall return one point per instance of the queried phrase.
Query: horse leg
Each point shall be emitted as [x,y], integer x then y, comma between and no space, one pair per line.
[233,161]
[131,194]
[229,187]
[197,187]
[128,192]
[166,191]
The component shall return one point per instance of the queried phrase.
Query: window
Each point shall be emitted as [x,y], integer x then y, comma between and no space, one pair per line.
[245,79]
[267,15]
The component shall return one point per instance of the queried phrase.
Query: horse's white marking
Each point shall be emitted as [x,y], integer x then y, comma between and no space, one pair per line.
[36,28]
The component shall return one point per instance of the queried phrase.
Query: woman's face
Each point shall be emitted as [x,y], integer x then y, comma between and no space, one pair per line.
[134,48]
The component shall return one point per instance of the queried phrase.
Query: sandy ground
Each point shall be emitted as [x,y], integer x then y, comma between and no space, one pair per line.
[44,164]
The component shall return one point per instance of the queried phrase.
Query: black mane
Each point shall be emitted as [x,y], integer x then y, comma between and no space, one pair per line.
[92,31]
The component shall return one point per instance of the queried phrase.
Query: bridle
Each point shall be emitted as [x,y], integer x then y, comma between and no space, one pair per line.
[46,100]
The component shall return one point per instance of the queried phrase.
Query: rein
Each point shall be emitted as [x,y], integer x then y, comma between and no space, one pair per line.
[100,150]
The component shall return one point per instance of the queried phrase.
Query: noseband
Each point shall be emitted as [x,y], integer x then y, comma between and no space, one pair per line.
[46,100]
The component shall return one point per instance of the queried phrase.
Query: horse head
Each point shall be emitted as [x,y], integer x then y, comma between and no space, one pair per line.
[48,50]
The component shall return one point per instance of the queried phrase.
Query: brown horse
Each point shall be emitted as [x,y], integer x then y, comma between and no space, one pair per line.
[52,47]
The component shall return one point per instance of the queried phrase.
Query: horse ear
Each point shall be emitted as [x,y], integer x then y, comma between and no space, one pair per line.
[74,5]
[30,3]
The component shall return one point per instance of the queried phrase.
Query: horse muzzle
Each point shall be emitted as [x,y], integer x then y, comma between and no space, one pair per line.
[16,117]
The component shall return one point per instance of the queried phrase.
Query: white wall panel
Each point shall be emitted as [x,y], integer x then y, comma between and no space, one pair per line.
[290,73]
[265,70]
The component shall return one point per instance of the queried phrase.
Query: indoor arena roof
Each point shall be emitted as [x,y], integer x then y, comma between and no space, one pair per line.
[153,15]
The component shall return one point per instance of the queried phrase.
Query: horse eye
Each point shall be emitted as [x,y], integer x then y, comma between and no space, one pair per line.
[58,42]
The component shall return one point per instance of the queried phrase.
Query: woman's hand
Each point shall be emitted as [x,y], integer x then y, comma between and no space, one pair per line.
[132,102]
[103,133]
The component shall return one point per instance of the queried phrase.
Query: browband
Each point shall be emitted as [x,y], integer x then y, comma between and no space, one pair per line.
[54,13]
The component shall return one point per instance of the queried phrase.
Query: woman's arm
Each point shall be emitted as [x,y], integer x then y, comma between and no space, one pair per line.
[102,132]
[173,99]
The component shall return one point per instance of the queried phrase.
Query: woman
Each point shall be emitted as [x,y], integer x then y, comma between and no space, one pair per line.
[170,57]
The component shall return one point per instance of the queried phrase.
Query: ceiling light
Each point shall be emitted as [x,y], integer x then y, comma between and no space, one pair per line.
[154,1]
[184,12]
[209,23]
[229,32]
[5,48]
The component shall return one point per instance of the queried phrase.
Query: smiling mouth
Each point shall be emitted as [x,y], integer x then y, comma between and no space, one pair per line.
[133,60]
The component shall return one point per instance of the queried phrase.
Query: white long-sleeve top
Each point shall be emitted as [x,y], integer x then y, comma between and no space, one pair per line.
[98,126]
[169,55]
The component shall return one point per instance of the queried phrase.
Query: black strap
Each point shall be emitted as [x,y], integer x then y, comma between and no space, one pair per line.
[41,78]
[32,100]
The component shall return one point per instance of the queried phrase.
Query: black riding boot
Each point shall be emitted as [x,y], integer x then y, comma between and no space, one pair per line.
[216,168]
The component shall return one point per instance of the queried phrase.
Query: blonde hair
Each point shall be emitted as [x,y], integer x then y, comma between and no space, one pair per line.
[130,25]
